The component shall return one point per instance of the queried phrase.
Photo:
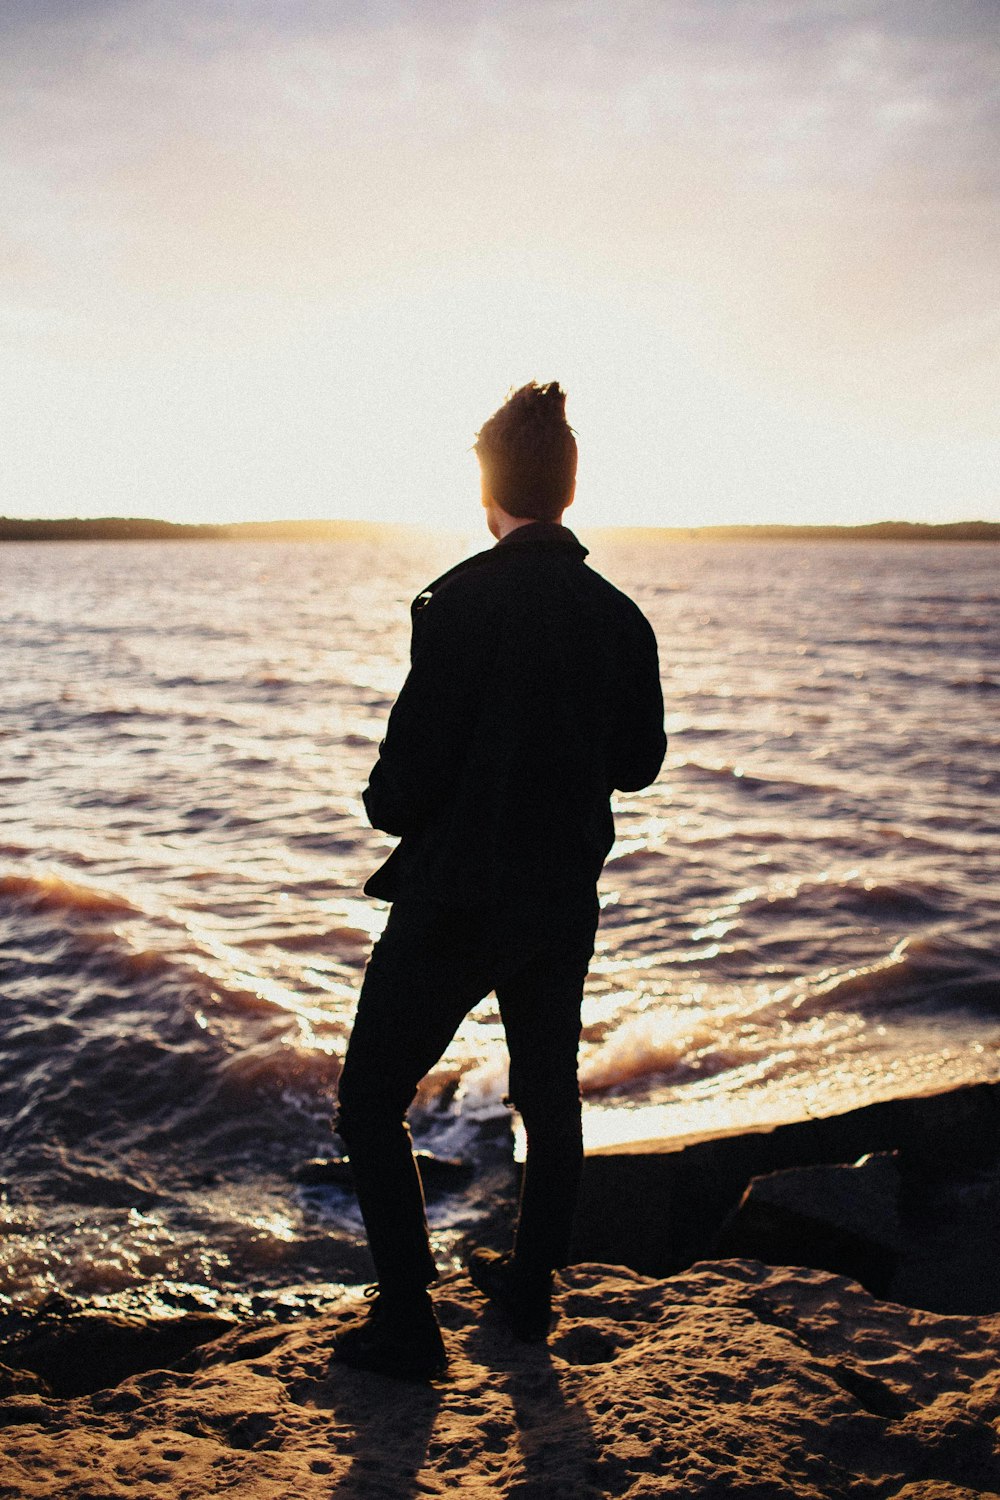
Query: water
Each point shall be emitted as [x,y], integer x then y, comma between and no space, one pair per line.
[800,916]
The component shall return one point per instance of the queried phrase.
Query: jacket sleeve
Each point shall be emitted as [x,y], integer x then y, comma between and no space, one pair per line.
[431,722]
[638,742]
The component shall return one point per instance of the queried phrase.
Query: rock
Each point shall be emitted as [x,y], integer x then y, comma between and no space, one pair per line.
[950,1261]
[19,1382]
[842,1219]
[929,1242]
[733,1380]
[439,1174]
[659,1206]
[76,1351]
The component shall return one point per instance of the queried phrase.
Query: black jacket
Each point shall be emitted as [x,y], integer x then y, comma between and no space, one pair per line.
[533,692]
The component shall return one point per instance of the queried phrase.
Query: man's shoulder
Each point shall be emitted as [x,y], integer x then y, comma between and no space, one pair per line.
[607,589]
[493,579]
[463,582]
[615,601]
[466,602]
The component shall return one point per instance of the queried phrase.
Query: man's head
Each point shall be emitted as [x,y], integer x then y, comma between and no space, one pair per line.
[527,453]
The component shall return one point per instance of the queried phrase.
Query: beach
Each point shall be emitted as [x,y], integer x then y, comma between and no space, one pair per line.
[734,1380]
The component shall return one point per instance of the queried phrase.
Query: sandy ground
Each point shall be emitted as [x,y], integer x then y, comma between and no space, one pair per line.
[734,1379]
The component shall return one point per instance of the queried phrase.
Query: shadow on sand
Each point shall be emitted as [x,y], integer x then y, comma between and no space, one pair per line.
[502,1407]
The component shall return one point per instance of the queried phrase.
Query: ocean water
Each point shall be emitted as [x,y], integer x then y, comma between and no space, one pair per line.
[800,916]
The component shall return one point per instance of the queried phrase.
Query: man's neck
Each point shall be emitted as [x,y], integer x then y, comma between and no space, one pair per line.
[506,524]
[501,523]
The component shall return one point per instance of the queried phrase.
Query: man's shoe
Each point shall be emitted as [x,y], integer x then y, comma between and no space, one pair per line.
[398,1337]
[525,1301]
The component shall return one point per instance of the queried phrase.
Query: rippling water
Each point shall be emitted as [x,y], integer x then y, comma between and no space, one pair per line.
[801,915]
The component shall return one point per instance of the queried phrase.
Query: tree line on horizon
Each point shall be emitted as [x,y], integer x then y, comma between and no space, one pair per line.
[125,528]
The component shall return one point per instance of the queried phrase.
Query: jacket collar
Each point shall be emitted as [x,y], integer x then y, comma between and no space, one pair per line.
[542,534]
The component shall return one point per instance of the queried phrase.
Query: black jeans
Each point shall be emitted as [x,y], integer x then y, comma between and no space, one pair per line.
[429,968]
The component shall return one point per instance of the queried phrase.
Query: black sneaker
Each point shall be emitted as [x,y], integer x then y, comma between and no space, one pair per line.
[398,1337]
[525,1301]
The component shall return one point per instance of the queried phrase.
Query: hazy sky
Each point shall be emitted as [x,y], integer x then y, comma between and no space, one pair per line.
[282,257]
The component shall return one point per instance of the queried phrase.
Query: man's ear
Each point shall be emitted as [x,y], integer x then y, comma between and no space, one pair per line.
[572,494]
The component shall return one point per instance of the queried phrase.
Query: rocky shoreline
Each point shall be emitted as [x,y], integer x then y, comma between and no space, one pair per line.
[837,1335]
[734,1379]
[902,1196]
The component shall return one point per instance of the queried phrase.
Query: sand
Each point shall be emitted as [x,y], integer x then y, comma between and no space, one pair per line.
[733,1379]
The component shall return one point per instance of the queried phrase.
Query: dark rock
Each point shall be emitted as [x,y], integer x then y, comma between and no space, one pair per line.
[24,1411]
[77,1352]
[439,1174]
[658,1207]
[834,1218]
[20,1382]
[952,1234]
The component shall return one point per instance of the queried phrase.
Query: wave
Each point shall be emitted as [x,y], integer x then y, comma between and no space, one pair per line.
[703,731]
[658,1043]
[669,1048]
[64,716]
[324,941]
[775,1035]
[779,788]
[39,893]
[982,683]
[124,1056]
[900,900]
[933,972]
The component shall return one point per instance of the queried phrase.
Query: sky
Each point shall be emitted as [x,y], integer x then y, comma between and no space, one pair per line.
[267,258]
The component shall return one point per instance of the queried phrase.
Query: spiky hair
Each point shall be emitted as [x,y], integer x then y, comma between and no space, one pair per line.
[528,452]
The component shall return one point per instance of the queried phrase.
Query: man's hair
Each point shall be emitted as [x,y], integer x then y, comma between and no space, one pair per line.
[528,453]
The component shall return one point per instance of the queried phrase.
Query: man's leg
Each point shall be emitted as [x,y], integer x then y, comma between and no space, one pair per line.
[539,1001]
[426,972]
[540,1008]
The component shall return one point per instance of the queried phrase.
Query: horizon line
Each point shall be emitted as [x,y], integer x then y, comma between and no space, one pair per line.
[147,528]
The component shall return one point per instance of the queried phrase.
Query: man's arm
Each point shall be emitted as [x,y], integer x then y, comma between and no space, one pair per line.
[432,719]
[638,742]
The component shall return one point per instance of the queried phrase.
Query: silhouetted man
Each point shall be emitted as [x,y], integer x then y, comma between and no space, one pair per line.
[533,693]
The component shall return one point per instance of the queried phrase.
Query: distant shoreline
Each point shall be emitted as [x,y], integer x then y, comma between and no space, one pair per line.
[137,529]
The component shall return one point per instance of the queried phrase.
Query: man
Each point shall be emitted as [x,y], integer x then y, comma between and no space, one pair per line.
[533,693]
